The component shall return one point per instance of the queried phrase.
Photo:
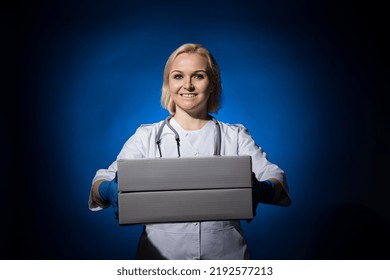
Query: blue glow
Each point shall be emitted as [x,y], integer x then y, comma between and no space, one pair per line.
[116,87]
[97,72]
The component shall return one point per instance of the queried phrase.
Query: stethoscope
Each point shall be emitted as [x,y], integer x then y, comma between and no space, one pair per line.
[217,150]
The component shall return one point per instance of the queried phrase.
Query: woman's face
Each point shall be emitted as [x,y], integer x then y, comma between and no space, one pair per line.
[189,83]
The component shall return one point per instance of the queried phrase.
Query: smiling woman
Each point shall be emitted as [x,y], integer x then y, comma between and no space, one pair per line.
[190,92]
[307,80]
[197,70]
[189,86]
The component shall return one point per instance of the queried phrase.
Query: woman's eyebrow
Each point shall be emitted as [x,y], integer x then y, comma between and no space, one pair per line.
[196,71]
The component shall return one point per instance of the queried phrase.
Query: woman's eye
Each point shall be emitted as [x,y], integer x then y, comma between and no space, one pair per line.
[199,76]
[177,76]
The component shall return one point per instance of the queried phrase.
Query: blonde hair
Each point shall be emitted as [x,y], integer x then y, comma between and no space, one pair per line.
[215,87]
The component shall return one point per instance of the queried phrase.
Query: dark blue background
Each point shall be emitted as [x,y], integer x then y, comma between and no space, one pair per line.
[307,78]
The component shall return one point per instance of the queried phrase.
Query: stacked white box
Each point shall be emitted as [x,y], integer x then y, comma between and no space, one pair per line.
[184,189]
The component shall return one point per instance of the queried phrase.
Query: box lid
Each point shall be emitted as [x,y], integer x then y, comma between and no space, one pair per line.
[185,173]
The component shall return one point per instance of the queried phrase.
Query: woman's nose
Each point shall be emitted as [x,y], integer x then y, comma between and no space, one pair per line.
[188,85]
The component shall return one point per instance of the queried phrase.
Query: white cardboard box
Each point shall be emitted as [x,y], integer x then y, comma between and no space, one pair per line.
[184,189]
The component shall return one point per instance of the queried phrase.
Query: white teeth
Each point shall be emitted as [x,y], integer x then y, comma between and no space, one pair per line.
[188,95]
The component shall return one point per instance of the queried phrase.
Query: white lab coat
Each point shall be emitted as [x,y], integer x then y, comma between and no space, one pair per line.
[197,240]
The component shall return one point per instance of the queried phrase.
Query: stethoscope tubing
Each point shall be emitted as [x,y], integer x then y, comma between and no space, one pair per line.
[217,151]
